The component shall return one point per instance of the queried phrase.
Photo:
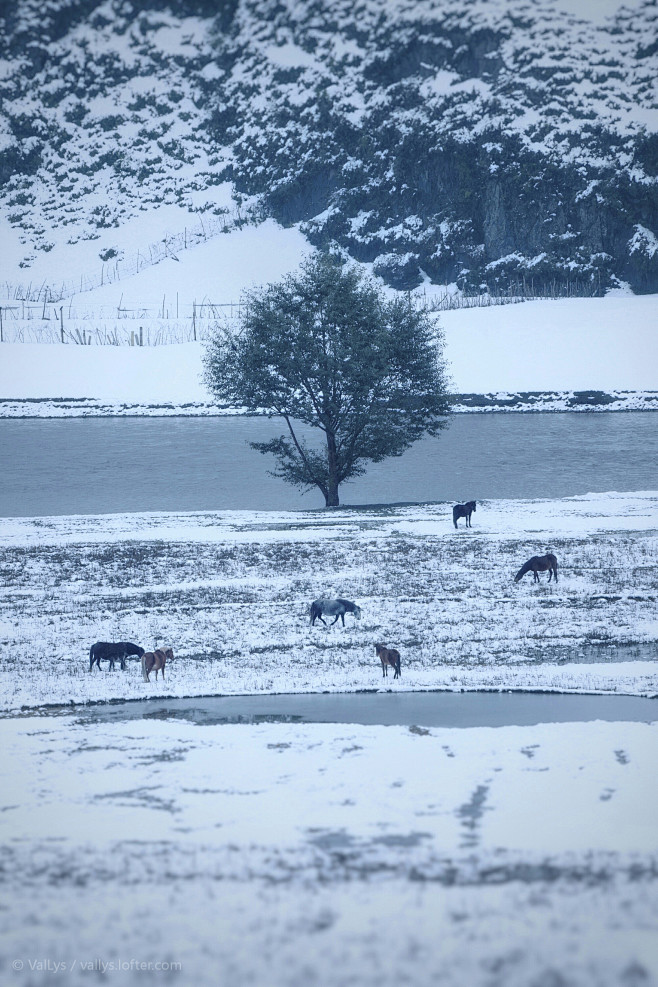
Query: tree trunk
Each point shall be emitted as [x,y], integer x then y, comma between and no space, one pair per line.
[331,496]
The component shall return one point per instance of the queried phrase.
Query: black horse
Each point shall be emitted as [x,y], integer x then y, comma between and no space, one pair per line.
[537,564]
[105,649]
[463,510]
[333,608]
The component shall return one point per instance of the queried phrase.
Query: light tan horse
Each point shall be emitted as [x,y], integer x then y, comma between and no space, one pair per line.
[388,656]
[155,660]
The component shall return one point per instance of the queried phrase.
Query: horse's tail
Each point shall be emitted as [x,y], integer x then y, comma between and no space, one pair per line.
[315,612]
[397,667]
[522,571]
[455,514]
[91,657]
[144,675]
[555,568]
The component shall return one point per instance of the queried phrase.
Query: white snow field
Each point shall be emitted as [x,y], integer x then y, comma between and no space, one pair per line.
[328,854]
[230,593]
[556,347]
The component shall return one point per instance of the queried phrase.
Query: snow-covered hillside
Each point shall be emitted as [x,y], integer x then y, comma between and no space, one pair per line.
[486,141]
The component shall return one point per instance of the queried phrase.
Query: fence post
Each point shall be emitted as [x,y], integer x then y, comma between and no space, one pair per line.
[141,337]
[1,334]
[132,337]
[194,320]
[61,320]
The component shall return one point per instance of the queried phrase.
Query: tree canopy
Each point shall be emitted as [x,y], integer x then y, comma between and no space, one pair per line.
[327,348]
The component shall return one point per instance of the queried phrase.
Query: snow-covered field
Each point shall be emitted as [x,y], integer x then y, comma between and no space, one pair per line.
[553,347]
[329,854]
[230,592]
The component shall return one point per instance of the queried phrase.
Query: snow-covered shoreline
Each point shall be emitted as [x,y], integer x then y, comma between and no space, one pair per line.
[501,402]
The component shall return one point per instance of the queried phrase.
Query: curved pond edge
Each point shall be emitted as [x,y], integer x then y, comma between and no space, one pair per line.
[407,708]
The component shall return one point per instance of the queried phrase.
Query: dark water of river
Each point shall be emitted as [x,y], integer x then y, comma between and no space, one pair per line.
[110,465]
[426,709]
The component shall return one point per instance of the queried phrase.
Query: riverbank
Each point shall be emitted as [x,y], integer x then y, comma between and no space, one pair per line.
[527,402]
[230,591]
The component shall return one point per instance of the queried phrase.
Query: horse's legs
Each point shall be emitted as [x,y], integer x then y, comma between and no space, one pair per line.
[535,575]
[335,619]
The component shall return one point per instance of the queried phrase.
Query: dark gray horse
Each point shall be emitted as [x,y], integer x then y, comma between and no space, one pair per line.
[333,608]
[120,651]
[537,564]
[463,510]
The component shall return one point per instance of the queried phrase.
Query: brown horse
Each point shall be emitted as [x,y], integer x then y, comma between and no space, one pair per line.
[155,660]
[388,656]
[537,564]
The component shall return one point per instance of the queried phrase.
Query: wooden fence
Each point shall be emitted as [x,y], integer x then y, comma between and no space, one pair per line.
[24,321]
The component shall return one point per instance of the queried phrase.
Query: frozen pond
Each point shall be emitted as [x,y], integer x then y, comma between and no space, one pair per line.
[423,709]
[112,465]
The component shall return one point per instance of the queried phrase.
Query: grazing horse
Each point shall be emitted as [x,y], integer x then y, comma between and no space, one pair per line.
[537,564]
[333,608]
[388,656]
[155,660]
[463,510]
[104,649]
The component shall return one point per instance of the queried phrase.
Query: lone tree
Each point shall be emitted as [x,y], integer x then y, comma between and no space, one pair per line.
[326,348]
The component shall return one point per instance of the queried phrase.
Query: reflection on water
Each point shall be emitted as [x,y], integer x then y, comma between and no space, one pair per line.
[106,465]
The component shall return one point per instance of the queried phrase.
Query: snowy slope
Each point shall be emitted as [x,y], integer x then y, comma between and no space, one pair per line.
[603,344]
[488,141]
